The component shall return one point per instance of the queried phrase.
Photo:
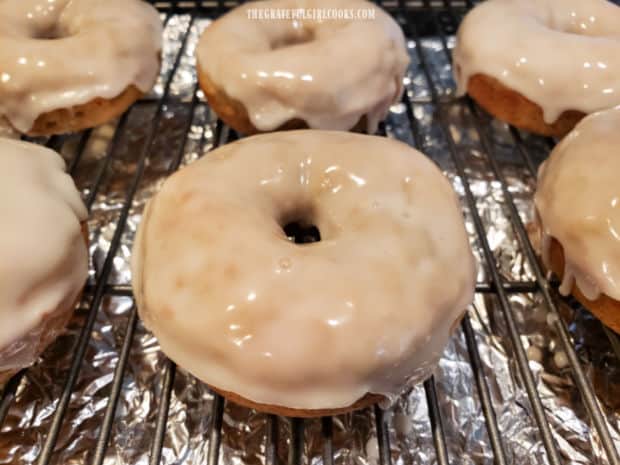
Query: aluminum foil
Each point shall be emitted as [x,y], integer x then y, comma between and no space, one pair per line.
[105,181]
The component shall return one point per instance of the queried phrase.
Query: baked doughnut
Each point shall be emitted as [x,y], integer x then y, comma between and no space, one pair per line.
[268,75]
[57,76]
[43,253]
[305,329]
[540,65]
[578,204]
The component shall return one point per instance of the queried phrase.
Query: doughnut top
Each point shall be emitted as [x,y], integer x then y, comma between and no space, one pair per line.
[578,202]
[60,53]
[561,54]
[368,308]
[327,73]
[43,258]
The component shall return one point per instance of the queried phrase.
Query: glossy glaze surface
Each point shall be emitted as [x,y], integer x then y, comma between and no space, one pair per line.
[328,73]
[60,53]
[578,201]
[43,258]
[235,302]
[560,54]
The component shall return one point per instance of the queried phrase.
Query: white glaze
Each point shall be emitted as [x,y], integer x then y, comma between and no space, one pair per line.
[43,258]
[367,309]
[578,203]
[351,68]
[105,47]
[561,54]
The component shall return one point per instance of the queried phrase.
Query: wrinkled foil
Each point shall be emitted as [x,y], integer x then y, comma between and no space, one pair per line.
[105,181]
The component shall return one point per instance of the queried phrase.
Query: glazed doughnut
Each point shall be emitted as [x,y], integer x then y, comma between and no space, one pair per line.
[313,328]
[578,204]
[43,254]
[540,65]
[269,75]
[55,74]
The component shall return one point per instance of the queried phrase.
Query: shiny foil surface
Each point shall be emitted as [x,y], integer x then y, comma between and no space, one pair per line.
[110,167]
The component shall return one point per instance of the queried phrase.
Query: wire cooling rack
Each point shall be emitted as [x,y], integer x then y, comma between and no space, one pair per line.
[492,166]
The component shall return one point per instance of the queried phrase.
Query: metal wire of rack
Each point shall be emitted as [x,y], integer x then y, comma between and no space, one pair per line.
[418,18]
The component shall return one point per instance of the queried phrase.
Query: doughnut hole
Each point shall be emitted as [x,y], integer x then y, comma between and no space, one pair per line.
[299,226]
[300,232]
[54,32]
[291,38]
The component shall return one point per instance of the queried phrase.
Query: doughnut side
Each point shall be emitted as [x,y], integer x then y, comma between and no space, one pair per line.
[235,114]
[514,108]
[45,333]
[366,401]
[604,308]
[87,115]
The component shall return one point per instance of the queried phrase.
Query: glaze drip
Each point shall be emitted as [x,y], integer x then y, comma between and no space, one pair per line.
[561,54]
[578,203]
[328,73]
[52,56]
[37,275]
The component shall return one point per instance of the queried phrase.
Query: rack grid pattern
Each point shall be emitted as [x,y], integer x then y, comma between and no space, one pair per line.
[419,19]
